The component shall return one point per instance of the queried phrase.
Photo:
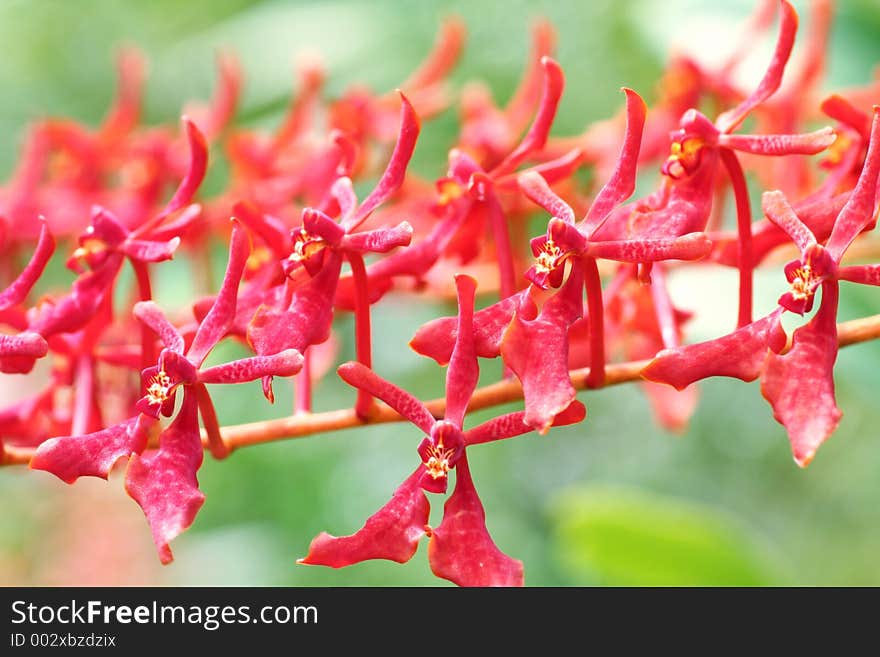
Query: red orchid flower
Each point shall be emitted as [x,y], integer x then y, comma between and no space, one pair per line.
[105,244]
[164,482]
[699,147]
[533,339]
[843,160]
[460,549]
[799,383]
[303,305]
[470,202]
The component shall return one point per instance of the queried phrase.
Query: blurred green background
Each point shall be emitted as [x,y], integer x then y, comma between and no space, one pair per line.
[614,500]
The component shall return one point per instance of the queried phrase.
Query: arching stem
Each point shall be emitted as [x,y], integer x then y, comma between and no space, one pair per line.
[596,314]
[744,229]
[363,339]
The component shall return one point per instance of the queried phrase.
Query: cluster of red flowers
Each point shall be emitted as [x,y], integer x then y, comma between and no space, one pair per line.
[115,368]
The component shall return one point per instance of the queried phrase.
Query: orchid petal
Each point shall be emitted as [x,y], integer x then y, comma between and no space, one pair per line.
[622,182]
[442,58]
[270,229]
[363,378]
[380,240]
[93,454]
[299,114]
[177,226]
[214,117]
[198,165]
[395,172]
[150,251]
[18,352]
[864,274]
[537,190]
[164,482]
[536,137]
[740,355]
[436,339]
[317,223]
[520,106]
[788,24]
[672,408]
[305,321]
[392,533]
[513,424]
[859,210]
[461,166]
[343,192]
[74,310]
[692,246]
[218,320]
[21,286]
[123,115]
[800,383]
[536,350]
[800,144]
[463,372]
[780,212]
[284,363]
[415,261]
[152,316]
[841,110]
[553,171]
[817,215]
[461,549]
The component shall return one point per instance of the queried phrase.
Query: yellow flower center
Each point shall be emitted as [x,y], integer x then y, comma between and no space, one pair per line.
[90,246]
[803,285]
[548,258]
[305,246]
[448,191]
[437,464]
[683,157]
[159,388]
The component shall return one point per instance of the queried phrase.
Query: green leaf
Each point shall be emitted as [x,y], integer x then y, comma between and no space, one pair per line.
[622,536]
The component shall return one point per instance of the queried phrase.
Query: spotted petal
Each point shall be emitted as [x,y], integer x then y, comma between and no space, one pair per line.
[164,482]
[536,137]
[363,378]
[535,347]
[859,210]
[800,383]
[395,172]
[152,316]
[94,454]
[510,425]
[788,24]
[198,165]
[622,182]
[436,338]
[740,355]
[21,286]
[284,363]
[461,549]
[219,319]
[463,372]
[799,144]
[392,533]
